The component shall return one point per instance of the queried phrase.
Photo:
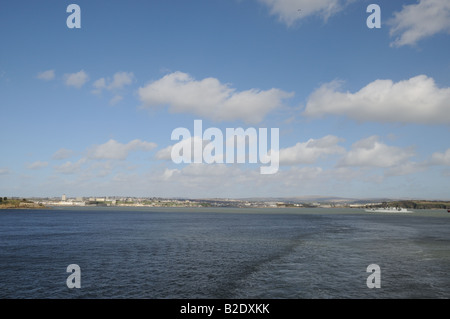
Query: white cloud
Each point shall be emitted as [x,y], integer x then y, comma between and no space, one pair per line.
[288,10]
[243,145]
[46,75]
[76,79]
[37,165]
[119,81]
[222,180]
[370,152]
[100,169]
[416,100]
[203,180]
[99,85]
[165,153]
[89,167]
[62,153]
[405,169]
[4,171]
[70,167]
[168,173]
[417,21]
[115,150]
[226,180]
[309,152]
[210,98]
[441,158]
[184,144]
[116,99]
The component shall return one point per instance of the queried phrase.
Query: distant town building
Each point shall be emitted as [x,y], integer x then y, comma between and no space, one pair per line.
[63,197]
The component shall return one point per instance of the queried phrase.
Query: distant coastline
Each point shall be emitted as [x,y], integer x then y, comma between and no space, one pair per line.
[41,203]
[20,204]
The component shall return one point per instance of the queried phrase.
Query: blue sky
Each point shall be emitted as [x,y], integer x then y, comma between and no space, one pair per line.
[89,112]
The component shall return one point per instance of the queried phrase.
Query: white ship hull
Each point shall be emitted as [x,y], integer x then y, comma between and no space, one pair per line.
[388,210]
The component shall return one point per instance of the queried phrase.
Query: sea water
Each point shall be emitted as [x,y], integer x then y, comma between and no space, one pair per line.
[287,253]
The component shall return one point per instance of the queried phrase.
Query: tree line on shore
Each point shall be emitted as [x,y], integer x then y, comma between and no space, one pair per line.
[5,202]
[420,204]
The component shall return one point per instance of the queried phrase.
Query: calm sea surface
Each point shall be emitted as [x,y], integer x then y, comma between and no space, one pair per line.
[223,253]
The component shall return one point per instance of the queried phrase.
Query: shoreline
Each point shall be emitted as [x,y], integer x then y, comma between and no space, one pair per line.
[22,205]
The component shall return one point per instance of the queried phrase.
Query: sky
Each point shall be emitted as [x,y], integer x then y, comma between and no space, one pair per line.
[362,112]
